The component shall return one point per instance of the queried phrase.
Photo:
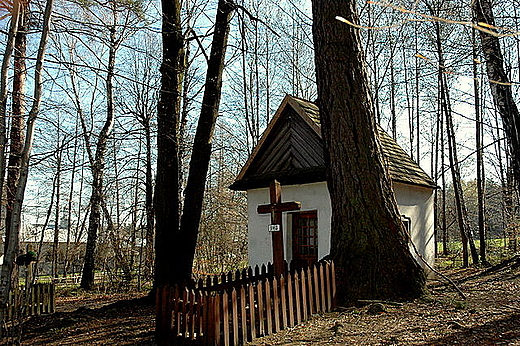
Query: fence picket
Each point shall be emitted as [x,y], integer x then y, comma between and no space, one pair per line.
[317,296]
[252,313]
[225,317]
[290,301]
[234,316]
[304,296]
[333,284]
[191,314]
[276,308]
[243,316]
[283,302]
[197,332]
[297,299]
[175,305]
[268,308]
[323,289]
[310,291]
[261,311]
[327,290]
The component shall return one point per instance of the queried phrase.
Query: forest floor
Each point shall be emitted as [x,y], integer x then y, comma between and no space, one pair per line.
[490,315]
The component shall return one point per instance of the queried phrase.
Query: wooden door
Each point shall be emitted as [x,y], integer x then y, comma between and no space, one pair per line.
[305,238]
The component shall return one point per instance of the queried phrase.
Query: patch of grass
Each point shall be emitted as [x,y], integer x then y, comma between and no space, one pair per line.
[496,253]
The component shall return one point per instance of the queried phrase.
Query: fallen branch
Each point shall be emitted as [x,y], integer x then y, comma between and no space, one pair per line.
[462,295]
[365,301]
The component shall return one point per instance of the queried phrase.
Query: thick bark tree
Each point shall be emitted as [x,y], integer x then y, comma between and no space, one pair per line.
[499,82]
[180,248]
[169,108]
[201,152]
[368,241]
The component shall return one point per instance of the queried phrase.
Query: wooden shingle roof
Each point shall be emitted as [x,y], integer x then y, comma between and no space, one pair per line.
[291,151]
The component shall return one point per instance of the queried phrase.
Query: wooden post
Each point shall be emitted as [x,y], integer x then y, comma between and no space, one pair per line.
[275,208]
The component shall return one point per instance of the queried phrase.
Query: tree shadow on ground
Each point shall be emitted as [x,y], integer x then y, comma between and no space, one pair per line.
[503,331]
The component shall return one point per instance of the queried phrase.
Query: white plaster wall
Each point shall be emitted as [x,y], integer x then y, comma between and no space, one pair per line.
[414,202]
[313,196]
[417,203]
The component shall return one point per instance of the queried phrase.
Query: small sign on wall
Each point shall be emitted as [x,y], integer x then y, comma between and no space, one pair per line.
[274,228]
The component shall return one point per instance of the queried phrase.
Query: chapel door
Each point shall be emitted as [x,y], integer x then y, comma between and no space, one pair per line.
[305,238]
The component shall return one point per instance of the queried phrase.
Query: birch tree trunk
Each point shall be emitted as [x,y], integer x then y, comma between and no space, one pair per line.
[16,136]
[4,75]
[15,225]
[98,165]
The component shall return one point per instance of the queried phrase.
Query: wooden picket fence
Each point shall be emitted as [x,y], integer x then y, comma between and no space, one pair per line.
[39,300]
[235,313]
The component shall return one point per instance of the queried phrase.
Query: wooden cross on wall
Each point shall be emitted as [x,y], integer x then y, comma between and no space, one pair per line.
[275,208]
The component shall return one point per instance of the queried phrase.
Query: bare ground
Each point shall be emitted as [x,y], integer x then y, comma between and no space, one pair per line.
[490,315]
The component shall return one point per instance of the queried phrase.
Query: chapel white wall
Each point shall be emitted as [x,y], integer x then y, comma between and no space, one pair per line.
[313,196]
[417,203]
[413,201]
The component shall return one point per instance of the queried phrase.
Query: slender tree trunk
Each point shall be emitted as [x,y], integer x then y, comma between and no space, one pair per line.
[15,225]
[69,206]
[55,245]
[184,252]
[499,82]
[480,160]
[466,234]
[168,111]
[150,215]
[17,13]
[16,136]
[98,168]
[368,240]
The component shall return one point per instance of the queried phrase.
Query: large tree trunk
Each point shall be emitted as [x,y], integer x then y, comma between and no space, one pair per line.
[499,82]
[169,108]
[368,241]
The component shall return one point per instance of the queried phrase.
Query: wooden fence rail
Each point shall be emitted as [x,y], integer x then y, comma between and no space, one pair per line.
[39,300]
[250,309]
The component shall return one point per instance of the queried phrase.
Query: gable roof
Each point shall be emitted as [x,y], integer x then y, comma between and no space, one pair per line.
[291,151]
